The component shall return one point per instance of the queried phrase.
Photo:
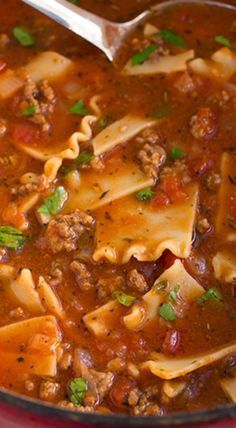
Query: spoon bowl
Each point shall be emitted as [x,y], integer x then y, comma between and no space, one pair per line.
[106,35]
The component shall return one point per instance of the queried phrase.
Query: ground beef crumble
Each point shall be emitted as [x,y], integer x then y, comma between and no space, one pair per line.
[136,281]
[64,232]
[152,157]
[82,275]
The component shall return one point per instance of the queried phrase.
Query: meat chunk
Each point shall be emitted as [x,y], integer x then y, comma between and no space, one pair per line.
[103,382]
[48,390]
[203,125]
[136,281]
[203,226]
[143,403]
[213,181]
[64,232]
[152,157]
[43,98]
[82,275]
[3,127]
[70,406]
[4,41]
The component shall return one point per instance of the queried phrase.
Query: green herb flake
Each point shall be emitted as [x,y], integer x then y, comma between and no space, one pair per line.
[222,40]
[74,1]
[55,202]
[84,158]
[170,36]
[64,170]
[125,299]
[145,194]
[167,312]
[23,36]
[173,294]
[161,286]
[103,121]
[79,109]
[29,111]
[162,111]
[11,237]
[176,153]
[211,294]
[77,389]
[142,56]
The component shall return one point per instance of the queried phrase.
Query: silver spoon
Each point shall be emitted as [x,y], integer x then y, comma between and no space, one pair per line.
[106,35]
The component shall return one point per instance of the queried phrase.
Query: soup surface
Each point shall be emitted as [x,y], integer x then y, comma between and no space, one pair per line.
[118,211]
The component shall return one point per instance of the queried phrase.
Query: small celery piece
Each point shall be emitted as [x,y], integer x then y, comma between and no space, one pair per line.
[11,237]
[78,387]
[125,299]
[211,294]
[167,312]
[54,203]
[145,194]
[79,109]
[84,157]
[29,111]
[222,40]
[170,36]
[142,56]
[23,36]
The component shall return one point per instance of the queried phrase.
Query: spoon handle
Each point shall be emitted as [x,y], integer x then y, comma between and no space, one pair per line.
[98,31]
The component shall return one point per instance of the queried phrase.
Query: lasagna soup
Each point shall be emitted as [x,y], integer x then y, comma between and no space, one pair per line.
[118,211]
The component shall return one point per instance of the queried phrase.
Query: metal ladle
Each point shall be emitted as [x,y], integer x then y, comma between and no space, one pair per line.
[106,35]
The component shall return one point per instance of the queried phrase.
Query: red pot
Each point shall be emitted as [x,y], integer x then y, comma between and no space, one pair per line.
[18,412]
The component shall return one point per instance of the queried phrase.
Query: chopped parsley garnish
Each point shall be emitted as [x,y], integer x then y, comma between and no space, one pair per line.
[84,157]
[77,389]
[176,153]
[74,1]
[54,203]
[160,287]
[64,170]
[11,237]
[211,294]
[29,111]
[102,123]
[222,40]
[124,299]
[167,312]
[162,111]
[23,36]
[79,108]
[145,194]
[170,36]
[173,294]
[140,57]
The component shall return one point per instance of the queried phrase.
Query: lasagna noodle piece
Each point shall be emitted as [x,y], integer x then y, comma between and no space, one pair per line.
[130,227]
[104,319]
[101,321]
[119,178]
[46,65]
[162,64]
[119,132]
[147,308]
[171,368]
[221,66]
[229,387]
[33,343]
[224,264]
[225,221]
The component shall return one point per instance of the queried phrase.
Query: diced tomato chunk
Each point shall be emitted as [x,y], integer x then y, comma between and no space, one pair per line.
[13,216]
[172,187]
[160,200]
[120,390]
[25,133]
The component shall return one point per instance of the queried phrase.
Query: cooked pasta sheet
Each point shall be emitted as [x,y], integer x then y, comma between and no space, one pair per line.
[162,64]
[147,308]
[224,264]
[34,341]
[120,132]
[225,217]
[46,65]
[221,66]
[144,231]
[171,368]
[120,178]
